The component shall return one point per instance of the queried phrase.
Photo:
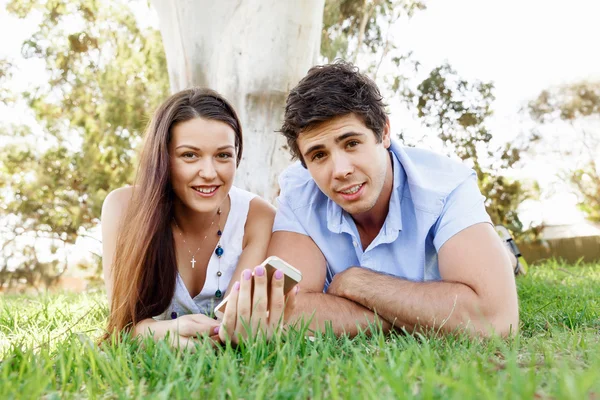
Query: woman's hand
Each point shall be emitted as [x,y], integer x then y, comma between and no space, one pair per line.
[250,311]
[183,331]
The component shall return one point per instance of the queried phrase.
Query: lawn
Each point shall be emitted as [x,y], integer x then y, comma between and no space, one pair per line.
[47,348]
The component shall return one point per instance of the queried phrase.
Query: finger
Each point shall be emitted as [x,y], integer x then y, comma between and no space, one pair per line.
[290,303]
[259,300]
[277,300]
[215,340]
[201,325]
[244,304]
[227,329]
[182,342]
[204,329]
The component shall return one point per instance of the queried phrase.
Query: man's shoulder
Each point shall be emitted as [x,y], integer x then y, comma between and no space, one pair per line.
[430,171]
[298,188]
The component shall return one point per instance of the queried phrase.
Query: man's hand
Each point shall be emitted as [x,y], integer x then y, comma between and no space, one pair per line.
[342,283]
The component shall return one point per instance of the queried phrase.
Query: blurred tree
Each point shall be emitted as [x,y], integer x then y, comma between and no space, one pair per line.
[106,74]
[6,71]
[456,109]
[576,104]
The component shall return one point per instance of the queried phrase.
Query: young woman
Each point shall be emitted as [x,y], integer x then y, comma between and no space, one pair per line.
[174,241]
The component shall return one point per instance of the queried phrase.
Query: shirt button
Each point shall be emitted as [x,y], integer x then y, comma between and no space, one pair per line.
[173,315]
[354,243]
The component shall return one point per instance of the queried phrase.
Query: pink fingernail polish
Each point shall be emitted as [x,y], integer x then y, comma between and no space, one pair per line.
[247,274]
[216,330]
[236,285]
[278,274]
[259,271]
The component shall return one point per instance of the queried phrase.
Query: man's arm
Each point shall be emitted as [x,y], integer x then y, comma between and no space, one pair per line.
[312,304]
[477,292]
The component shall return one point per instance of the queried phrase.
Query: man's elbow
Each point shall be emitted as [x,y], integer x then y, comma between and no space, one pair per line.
[504,324]
[509,325]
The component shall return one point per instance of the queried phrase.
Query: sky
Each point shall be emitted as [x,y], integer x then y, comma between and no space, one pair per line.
[523,46]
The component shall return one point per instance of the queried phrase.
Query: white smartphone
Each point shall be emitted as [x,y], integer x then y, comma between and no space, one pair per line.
[291,275]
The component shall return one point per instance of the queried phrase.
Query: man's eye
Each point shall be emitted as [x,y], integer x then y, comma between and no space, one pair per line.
[318,156]
[352,143]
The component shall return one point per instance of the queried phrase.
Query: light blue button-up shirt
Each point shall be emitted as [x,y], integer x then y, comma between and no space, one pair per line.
[433,199]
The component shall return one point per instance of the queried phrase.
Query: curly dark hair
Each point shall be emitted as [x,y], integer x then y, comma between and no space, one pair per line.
[330,91]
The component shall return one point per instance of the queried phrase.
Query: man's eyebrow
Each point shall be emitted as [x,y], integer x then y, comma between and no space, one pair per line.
[337,140]
[313,148]
[347,135]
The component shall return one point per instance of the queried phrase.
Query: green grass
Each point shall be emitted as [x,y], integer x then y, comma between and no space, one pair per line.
[47,350]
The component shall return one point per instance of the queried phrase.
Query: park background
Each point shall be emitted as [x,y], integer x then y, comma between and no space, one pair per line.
[510,88]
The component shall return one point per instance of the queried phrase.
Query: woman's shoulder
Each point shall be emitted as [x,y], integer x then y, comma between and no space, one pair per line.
[257,206]
[259,223]
[116,203]
[259,210]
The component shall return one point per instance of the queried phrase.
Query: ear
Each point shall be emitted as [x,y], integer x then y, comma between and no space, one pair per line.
[386,137]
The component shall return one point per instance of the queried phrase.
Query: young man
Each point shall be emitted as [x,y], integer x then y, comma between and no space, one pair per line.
[394,232]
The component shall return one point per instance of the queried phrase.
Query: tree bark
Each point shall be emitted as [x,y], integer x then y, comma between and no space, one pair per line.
[252,52]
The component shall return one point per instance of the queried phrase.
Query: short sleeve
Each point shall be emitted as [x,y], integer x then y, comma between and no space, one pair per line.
[464,207]
[285,219]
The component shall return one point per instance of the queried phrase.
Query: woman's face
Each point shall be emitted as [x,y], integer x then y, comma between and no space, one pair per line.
[202,163]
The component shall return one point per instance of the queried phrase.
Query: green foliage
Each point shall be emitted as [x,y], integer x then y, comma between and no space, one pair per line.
[574,103]
[587,182]
[6,73]
[105,77]
[47,351]
[351,27]
[568,102]
[458,111]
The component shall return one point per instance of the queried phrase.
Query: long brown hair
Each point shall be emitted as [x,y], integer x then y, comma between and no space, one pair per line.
[144,269]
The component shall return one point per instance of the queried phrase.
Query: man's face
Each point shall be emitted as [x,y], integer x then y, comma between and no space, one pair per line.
[346,162]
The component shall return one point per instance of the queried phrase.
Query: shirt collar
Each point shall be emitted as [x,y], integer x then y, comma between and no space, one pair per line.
[337,218]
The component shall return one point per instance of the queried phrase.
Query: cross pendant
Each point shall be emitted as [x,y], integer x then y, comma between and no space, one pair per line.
[193,262]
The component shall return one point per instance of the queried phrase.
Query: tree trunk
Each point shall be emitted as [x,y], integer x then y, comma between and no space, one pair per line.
[252,52]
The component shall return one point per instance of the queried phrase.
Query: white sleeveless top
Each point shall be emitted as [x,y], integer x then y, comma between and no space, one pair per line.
[231,242]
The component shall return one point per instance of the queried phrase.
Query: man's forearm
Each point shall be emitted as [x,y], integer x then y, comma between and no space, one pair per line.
[439,306]
[345,316]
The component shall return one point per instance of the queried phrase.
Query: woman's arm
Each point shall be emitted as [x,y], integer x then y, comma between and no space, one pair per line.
[182,331]
[113,211]
[257,234]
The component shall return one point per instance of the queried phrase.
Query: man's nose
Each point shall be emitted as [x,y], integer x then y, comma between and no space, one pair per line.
[342,166]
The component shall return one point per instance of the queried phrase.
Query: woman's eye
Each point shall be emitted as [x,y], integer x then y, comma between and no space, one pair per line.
[225,155]
[188,155]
